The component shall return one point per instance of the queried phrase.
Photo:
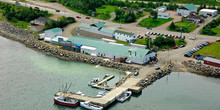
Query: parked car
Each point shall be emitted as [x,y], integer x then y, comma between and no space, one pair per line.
[208,42]
[36,8]
[157,68]
[175,47]
[218,40]
[87,17]
[162,34]
[187,55]
[155,33]
[136,73]
[192,38]
[57,10]
[147,33]
[78,17]
[183,37]
[182,46]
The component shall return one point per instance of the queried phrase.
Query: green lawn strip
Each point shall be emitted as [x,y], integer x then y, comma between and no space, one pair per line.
[106,9]
[140,41]
[217,30]
[187,24]
[21,24]
[180,42]
[122,42]
[213,50]
[149,22]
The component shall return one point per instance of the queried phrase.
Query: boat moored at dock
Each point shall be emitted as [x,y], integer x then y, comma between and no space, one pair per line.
[124,96]
[65,101]
[90,106]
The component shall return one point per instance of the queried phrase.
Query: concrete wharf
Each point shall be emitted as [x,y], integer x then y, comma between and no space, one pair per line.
[99,84]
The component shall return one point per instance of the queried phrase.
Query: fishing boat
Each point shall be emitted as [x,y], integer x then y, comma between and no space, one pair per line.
[124,96]
[94,81]
[65,101]
[90,106]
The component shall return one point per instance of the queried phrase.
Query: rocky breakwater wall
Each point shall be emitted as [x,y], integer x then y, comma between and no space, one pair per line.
[154,76]
[202,69]
[9,31]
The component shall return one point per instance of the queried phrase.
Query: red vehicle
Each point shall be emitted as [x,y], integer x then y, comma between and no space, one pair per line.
[87,17]
[78,17]
[208,42]
[175,47]
[218,40]
[37,8]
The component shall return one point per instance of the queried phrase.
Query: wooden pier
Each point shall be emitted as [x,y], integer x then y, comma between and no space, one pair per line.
[99,86]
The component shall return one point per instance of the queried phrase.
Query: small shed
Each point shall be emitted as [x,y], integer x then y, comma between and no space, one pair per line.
[163,15]
[208,12]
[212,61]
[162,8]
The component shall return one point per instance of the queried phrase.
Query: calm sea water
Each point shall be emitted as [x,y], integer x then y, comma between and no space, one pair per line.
[29,79]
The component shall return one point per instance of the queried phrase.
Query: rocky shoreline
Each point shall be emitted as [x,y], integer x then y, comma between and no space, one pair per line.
[202,69]
[12,32]
[154,76]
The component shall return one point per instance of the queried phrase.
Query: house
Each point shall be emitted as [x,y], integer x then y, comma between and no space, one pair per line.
[212,61]
[40,21]
[124,36]
[186,10]
[208,12]
[97,47]
[49,34]
[195,19]
[162,8]
[97,28]
[163,15]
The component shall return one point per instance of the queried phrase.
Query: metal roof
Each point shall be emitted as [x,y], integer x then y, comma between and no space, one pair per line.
[163,6]
[188,7]
[165,14]
[84,25]
[123,32]
[210,59]
[55,39]
[56,30]
[99,25]
[193,17]
[104,47]
[208,10]
[106,30]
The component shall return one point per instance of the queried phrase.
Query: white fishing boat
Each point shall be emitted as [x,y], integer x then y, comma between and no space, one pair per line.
[94,81]
[124,96]
[90,106]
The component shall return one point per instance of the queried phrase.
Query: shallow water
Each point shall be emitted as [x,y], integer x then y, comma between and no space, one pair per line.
[29,79]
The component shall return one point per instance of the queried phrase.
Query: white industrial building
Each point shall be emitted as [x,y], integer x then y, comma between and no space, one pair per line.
[186,10]
[208,12]
[125,36]
[163,15]
[49,34]
[103,49]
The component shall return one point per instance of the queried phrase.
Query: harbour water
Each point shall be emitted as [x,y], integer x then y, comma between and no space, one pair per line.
[29,80]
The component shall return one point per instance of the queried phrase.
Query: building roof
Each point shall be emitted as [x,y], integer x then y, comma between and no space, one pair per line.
[55,39]
[84,25]
[210,59]
[193,17]
[165,14]
[188,7]
[208,10]
[106,30]
[99,25]
[43,19]
[104,47]
[163,6]
[56,30]
[123,32]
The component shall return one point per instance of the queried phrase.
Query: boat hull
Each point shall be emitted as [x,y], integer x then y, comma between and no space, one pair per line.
[66,104]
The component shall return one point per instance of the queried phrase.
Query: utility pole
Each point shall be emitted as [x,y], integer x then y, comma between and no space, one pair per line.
[120,20]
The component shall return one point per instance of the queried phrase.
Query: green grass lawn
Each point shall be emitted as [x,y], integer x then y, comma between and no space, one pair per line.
[2,18]
[149,22]
[140,41]
[213,50]
[104,12]
[217,30]
[21,24]
[186,24]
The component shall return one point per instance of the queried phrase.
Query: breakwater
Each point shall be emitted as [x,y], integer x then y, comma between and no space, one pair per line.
[150,78]
[12,32]
[202,69]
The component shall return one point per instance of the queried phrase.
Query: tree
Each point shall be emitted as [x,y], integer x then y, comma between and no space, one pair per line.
[119,13]
[135,6]
[170,41]
[159,41]
[172,26]
[149,43]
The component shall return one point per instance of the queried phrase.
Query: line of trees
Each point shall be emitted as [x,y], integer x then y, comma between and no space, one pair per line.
[62,22]
[207,29]
[14,14]
[162,42]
